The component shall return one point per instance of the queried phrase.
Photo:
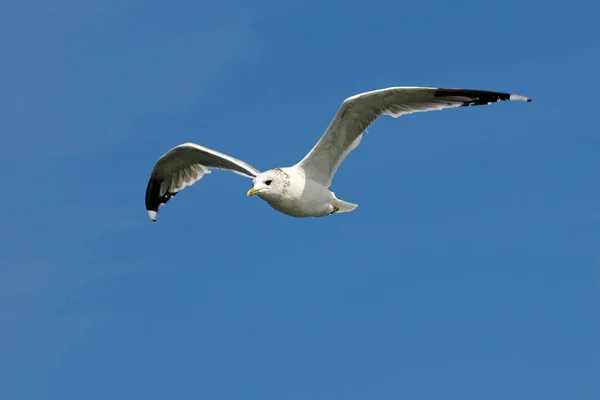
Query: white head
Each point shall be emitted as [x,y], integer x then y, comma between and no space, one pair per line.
[271,185]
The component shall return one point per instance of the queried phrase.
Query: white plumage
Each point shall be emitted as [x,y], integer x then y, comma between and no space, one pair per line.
[302,189]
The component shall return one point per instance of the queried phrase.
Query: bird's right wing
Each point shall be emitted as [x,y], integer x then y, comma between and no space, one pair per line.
[184,165]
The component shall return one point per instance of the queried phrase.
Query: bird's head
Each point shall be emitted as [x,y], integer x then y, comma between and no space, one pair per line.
[270,185]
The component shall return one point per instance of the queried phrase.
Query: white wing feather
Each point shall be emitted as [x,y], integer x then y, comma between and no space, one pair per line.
[184,165]
[358,112]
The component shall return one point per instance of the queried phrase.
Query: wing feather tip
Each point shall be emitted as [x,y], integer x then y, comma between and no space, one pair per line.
[152,215]
[518,97]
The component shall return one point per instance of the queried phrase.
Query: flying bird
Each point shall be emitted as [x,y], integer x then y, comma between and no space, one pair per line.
[302,190]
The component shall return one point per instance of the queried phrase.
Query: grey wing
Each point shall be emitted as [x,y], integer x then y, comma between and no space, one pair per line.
[358,112]
[184,165]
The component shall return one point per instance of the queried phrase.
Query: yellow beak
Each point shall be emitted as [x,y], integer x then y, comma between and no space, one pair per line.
[252,192]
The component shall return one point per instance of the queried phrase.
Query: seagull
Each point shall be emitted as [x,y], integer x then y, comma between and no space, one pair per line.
[302,190]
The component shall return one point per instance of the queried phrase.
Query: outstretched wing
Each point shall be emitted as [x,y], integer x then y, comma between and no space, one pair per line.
[358,112]
[184,165]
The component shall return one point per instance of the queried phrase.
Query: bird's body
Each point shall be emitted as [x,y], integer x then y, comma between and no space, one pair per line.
[302,190]
[300,196]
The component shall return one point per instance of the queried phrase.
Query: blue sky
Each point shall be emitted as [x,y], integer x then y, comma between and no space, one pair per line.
[470,269]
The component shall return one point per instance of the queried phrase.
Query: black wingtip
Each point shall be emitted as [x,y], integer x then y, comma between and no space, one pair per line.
[153,197]
[479,97]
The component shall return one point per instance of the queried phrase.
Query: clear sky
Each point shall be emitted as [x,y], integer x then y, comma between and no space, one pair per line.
[470,269]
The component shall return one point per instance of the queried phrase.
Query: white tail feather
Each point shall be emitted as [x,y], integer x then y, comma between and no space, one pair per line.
[344,206]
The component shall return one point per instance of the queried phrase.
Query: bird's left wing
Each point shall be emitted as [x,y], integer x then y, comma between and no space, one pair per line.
[358,112]
[184,165]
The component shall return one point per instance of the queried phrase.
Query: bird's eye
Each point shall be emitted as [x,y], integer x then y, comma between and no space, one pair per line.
[268,182]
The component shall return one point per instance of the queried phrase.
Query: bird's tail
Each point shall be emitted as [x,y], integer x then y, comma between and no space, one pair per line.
[344,206]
